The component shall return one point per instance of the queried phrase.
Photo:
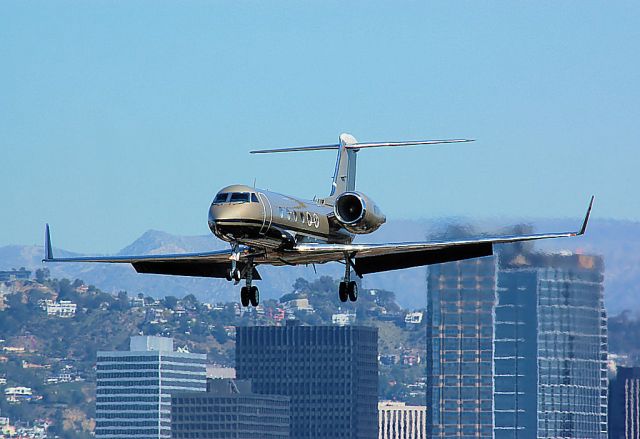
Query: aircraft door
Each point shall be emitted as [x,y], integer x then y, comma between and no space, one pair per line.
[267,213]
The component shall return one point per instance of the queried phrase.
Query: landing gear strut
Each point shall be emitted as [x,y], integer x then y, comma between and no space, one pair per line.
[234,273]
[249,293]
[348,289]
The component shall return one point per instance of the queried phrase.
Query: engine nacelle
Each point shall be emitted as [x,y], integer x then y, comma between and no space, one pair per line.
[358,213]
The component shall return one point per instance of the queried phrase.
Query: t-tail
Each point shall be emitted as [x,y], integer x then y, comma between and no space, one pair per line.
[344,177]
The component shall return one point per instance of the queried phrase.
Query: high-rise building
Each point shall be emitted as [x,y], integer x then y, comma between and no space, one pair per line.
[624,403]
[330,374]
[550,347]
[229,409]
[460,307]
[519,351]
[134,387]
[396,420]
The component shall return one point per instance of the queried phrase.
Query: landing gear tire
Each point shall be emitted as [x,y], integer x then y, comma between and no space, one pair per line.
[342,292]
[254,296]
[244,296]
[234,275]
[352,291]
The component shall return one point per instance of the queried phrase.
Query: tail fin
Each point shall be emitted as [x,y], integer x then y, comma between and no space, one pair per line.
[344,177]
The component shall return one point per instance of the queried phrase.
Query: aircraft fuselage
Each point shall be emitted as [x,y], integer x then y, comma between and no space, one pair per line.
[261,218]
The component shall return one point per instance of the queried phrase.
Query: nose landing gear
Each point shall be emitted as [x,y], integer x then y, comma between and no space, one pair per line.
[348,289]
[249,294]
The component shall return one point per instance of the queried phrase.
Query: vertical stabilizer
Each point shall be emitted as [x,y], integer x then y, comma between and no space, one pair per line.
[344,177]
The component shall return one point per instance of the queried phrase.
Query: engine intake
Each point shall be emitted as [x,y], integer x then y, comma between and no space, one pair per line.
[357,213]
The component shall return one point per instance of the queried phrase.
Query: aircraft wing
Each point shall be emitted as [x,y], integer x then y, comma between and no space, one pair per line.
[373,258]
[203,264]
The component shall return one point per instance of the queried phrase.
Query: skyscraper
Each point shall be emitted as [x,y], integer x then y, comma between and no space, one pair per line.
[330,374]
[550,347]
[134,387]
[460,306]
[518,351]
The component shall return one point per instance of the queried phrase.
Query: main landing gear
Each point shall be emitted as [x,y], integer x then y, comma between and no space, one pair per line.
[249,294]
[348,289]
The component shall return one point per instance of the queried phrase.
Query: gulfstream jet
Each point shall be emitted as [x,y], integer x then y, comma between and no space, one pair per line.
[266,228]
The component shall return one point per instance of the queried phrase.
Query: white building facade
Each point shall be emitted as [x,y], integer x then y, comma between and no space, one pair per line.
[399,421]
[133,388]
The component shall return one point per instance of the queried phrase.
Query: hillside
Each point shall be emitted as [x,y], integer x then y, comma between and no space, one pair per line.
[617,241]
[54,355]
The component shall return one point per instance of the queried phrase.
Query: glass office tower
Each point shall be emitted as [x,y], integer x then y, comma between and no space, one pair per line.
[134,387]
[550,347]
[330,374]
[460,307]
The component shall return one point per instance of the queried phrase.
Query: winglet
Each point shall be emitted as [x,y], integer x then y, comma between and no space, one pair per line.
[48,250]
[586,218]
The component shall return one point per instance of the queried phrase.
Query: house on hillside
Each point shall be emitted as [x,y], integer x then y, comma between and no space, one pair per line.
[8,276]
[18,394]
[62,309]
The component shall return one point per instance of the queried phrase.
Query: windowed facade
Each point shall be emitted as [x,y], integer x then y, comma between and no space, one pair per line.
[551,348]
[460,307]
[329,372]
[546,374]
[133,388]
[229,410]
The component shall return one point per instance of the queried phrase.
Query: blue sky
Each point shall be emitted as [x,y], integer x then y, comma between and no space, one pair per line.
[118,117]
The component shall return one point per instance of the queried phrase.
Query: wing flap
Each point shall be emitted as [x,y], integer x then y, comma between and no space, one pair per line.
[397,261]
[190,268]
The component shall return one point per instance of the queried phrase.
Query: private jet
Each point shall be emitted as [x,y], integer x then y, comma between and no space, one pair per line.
[268,228]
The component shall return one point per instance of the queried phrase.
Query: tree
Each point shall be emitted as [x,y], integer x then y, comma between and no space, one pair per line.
[301,285]
[220,334]
[42,275]
[170,302]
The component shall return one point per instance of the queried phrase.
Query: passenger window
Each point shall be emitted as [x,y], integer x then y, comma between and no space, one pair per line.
[254,198]
[239,197]
[220,198]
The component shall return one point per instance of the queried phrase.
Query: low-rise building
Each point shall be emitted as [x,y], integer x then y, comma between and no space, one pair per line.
[343,318]
[63,308]
[301,304]
[413,318]
[396,420]
[18,394]
[215,371]
[7,276]
[229,408]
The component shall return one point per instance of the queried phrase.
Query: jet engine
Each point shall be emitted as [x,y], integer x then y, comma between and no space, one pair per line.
[358,213]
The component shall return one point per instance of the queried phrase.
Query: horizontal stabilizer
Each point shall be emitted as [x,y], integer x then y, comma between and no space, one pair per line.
[360,145]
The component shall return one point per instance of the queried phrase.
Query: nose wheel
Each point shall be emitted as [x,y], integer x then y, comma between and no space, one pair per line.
[249,294]
[234,274]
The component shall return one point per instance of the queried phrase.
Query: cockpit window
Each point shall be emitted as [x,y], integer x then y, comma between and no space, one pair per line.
[221,198]
[239,197]
[254,198]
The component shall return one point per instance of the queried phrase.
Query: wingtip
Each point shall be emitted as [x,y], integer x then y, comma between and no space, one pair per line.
[48,249]
[583,229]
